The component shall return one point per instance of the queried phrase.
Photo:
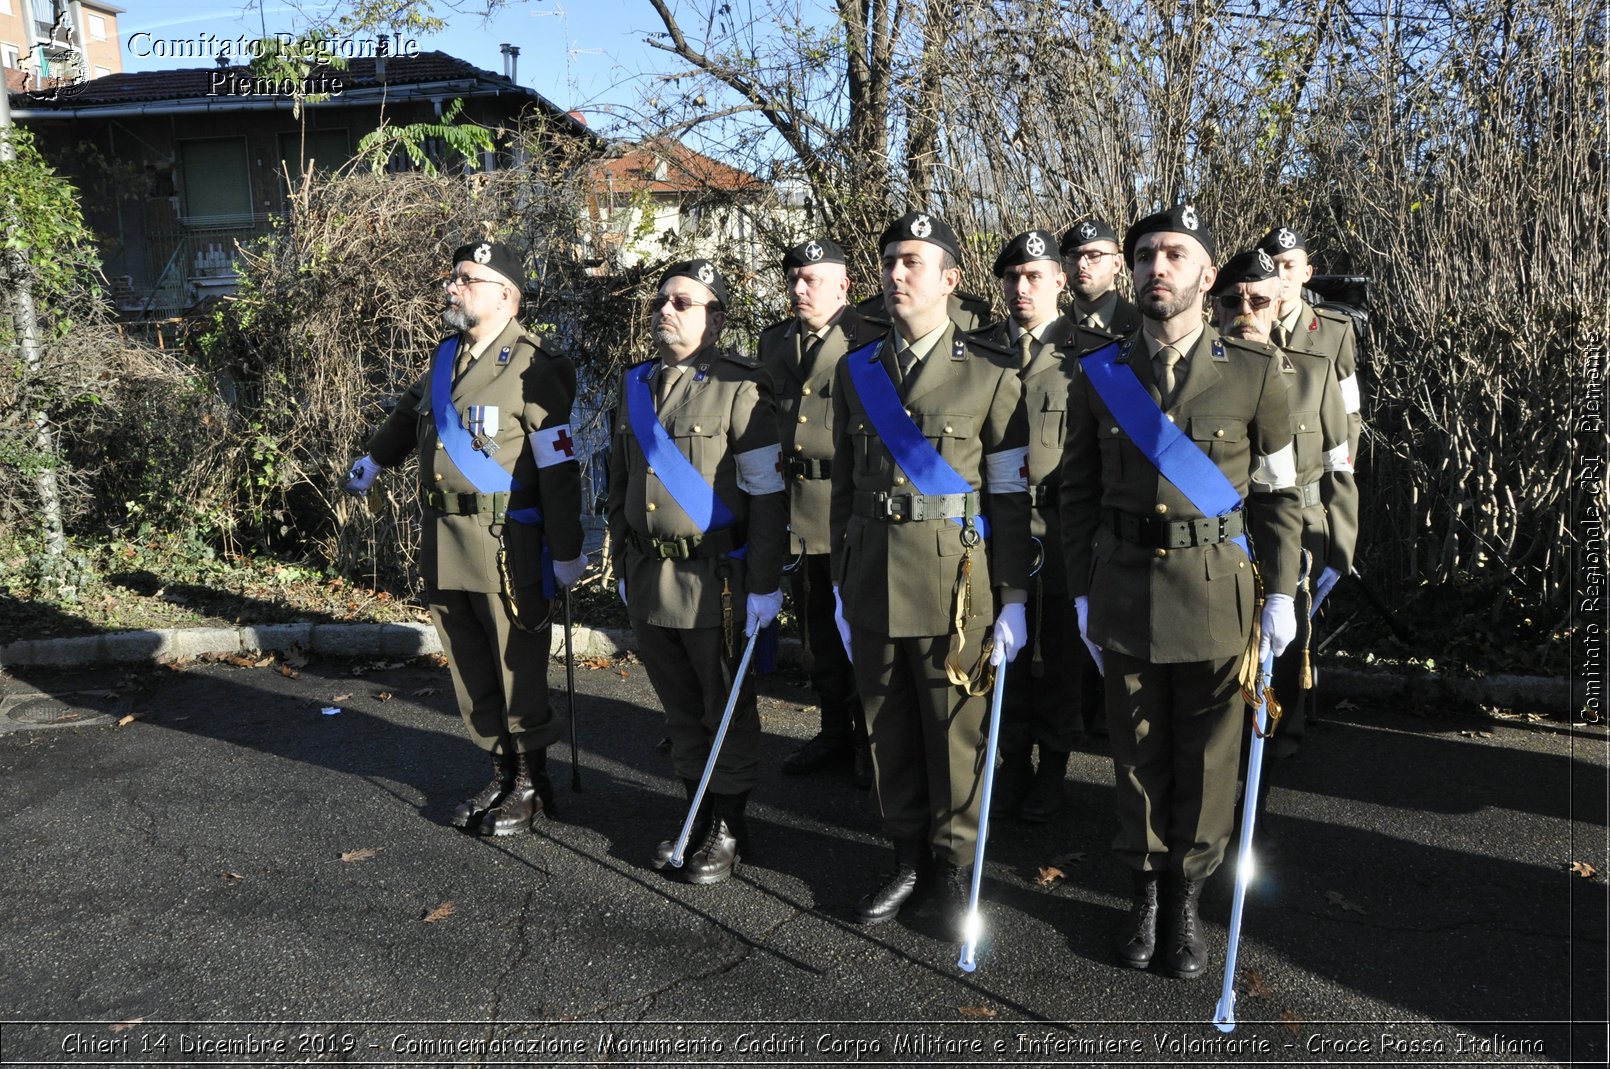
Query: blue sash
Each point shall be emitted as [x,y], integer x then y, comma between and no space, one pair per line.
[1176,457]
[911,449]
[687,487]
[484,473]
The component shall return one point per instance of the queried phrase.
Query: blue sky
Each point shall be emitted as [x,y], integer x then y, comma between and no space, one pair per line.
[592,55]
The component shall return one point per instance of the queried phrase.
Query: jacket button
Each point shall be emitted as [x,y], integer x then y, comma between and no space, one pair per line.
[1171,419]
[799,478]
[438,476]
[1161,508]
[1219,433]
[439,445]
[947,428]
[1161,552]
[649,471]
[802,419]
[1302,426]
[806,392]
[798,448]
[1112,430]
[1240,564]
[900,480]
[697,429]
[651,506]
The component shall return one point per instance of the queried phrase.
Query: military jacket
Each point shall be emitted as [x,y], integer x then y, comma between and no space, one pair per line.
[898,578]
[532,389]
[1322,332]
[720,409]
[1193,604]
[805,417]
[1045,400]
[1125,317]
[1319,429]
[968,311]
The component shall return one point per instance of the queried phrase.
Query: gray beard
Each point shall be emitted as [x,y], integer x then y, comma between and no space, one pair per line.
[457,319]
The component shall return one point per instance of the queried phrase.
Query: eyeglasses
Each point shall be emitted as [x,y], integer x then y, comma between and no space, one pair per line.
[677,301]
[466,280]
[1089,257]
[1236,301]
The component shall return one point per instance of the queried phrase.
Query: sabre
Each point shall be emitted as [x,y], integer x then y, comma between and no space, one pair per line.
[974,924]
[570,686]
[715,751]
[1224,1013]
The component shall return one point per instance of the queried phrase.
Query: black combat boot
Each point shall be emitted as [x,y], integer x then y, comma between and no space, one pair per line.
[911,865]
[1185,955]
[1012,781]
[1140,942]
[1046,801]
[717,857]
[701,827]
[469,812]
[526,799]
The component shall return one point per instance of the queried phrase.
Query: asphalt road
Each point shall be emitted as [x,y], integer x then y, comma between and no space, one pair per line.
[174,892]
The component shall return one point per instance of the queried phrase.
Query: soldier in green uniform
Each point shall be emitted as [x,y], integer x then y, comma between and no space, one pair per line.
[502,495]
[1159,568]
[698,517]
[930,540]
[1043,688]
[800,355]
[968,311]
[1091,258]
[1312,334]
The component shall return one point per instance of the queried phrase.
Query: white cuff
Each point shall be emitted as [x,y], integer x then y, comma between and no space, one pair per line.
[1350,397]
[1007,471]
[760,471]
[553,445]
[1338,459]
[1277,470]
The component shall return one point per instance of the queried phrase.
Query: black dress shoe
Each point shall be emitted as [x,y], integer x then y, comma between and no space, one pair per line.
[1140,943]
[717,857]
[1186,954]
[819,753]
[526,799]
[884,904]
[468,813]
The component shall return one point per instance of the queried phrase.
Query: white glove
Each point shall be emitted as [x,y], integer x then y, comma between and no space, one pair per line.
[620,588]
[1081,606]
[566,572]
[362,475]
[838,621]
[1327,579]
[1011,629]
[763,609]
[1279,625]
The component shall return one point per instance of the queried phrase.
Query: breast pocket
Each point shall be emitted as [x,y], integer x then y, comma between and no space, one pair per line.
[950,432]
[871,459]
[701,438]
[1306,437]
[1053,421]
[1113,442]
[1223,438]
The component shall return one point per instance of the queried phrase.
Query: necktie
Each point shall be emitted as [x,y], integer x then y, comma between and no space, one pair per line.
[908,360]
[1088,321]
[1026,342]
[667,380]
[808,345]
[1167,359]
[1280,335]
[463,362]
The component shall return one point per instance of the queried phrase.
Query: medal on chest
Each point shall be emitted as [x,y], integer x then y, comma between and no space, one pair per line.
[482,423]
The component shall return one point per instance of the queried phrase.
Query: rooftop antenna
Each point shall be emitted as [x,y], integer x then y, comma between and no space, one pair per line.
[571,51]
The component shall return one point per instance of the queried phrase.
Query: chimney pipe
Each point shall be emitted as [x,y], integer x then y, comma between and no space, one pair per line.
[514,64]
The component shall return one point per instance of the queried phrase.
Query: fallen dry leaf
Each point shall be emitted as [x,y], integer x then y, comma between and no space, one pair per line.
[1048,876]
[67,716]
[1337,899]
[441,912]
[1583,869]
[1292,1022]
[593,662]
[1254,984]
[624,675]
[364,854]
[230,876]
[342,698]
[289,673]
[126,718]
[383,696]
[125,1024]
[978,1011]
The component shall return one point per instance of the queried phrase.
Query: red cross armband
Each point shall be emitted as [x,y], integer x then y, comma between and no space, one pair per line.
[1006,471]
[553,445]
[760,471]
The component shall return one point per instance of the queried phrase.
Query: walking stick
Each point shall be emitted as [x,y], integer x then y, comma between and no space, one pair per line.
[570,686]
[974,924]
[715,751]
[1224,1014]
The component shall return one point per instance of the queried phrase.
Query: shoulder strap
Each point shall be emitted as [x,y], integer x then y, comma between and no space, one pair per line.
[1176,457]
[911,449]
[691,492]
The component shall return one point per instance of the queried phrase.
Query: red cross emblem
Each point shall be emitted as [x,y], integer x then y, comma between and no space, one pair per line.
[564,443]
[1024,470]
[779,460]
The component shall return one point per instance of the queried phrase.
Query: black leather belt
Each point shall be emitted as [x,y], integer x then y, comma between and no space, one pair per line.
[807,468]
[898,508]
[1310,494]
[687,547]
[1043,496]
[469,504]
[1155,533]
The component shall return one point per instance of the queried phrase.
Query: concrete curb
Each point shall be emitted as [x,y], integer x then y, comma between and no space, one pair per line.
[1543,694]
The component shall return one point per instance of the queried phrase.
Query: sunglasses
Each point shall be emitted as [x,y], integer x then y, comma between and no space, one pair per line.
[1238,301]
[679,302]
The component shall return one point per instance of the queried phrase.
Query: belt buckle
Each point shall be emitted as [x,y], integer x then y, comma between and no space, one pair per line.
[896,507]
[671,549]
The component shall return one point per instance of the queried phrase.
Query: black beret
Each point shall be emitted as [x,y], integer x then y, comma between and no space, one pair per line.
[700,271]
[922,226]
[497,256]
[1085,231]
[814,251]
[1282,239]
[1027,247]
[1180,219]
[1253,265]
